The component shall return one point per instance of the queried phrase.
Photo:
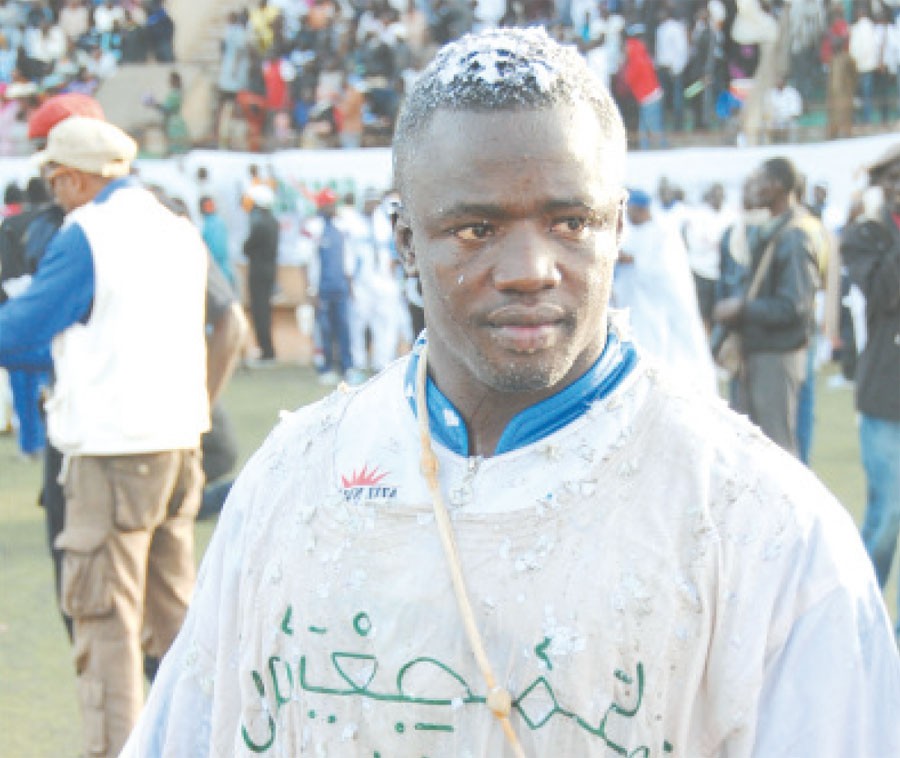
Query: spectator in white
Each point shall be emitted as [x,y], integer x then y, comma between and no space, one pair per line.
[391,310]
[44,46]
[376,303]
[703,229]
[671,209]
[653,281]
[291,13]
[361,252]
[234,69]
[74,19]
[585,15]
[597,58]
[609,28]
[107,15]
[672,49]
[137,10]
[100,63]
[416,24]
[783,107]
[864,52]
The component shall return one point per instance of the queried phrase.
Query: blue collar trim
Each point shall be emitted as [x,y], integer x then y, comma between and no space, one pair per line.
[540,420]
[125,181]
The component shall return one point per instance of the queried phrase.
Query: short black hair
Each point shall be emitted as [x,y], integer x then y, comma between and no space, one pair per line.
[782,171]
[502,69]
[37,192]
[13,194]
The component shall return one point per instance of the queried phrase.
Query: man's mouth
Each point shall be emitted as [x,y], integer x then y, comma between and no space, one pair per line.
[527,329]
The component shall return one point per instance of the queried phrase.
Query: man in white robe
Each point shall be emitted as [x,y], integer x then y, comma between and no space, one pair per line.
[653,281]
[627,568]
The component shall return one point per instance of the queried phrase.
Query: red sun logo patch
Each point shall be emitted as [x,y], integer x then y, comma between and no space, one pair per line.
[363,478]
[367,484]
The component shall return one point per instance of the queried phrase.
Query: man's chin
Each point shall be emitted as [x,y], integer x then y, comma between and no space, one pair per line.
[526,378]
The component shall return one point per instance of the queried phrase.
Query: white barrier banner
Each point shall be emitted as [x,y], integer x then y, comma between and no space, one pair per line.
[299,173]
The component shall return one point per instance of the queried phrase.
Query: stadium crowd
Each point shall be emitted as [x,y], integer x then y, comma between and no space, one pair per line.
[327,73]
[333,74]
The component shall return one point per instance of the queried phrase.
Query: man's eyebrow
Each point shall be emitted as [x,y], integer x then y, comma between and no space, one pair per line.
[485,210]
[495,210]
[564,204]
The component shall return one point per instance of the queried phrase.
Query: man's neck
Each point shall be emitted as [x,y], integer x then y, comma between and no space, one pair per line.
[488,412]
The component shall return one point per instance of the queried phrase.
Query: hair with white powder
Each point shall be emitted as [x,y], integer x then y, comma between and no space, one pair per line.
[502,69]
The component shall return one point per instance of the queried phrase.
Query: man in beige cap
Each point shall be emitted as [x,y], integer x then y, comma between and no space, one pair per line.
[127,411]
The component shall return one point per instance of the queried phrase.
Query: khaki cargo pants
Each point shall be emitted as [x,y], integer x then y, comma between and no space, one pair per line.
[127,577]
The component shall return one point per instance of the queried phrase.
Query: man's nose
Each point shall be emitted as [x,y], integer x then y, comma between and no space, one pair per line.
[526,260]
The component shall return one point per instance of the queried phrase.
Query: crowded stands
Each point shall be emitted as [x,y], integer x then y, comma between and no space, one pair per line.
[330,73]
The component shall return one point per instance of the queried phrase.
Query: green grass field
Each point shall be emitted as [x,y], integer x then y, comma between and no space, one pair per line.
[38,712]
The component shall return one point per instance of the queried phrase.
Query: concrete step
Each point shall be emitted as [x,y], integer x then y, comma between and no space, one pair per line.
[199,27]
[121,97]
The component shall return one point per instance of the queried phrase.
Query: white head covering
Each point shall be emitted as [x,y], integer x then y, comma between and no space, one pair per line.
[261,195]
[89,145]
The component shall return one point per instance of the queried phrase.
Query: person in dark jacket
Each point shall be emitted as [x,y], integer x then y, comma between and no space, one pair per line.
[261,251]
[775,326]
[159,31]
[870,249]
[23,238]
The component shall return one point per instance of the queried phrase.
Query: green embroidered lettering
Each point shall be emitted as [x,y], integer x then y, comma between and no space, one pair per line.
[286,621]
[362,623]
[541,652]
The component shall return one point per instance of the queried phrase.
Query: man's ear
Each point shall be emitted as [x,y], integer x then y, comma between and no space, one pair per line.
[403,241]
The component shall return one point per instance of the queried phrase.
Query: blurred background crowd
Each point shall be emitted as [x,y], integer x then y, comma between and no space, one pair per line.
[332,73]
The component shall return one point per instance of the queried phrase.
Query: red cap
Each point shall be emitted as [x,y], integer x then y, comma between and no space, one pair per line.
[58,108]
[325,197]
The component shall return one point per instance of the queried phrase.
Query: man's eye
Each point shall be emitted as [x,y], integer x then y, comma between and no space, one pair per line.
[571,226]
[473,232]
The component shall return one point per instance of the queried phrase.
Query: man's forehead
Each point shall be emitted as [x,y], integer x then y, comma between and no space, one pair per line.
[471,134]
[461,153]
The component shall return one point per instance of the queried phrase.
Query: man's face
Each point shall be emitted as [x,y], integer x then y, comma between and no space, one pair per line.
[767,190]
[66,185]
[511,220]
[890,184]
